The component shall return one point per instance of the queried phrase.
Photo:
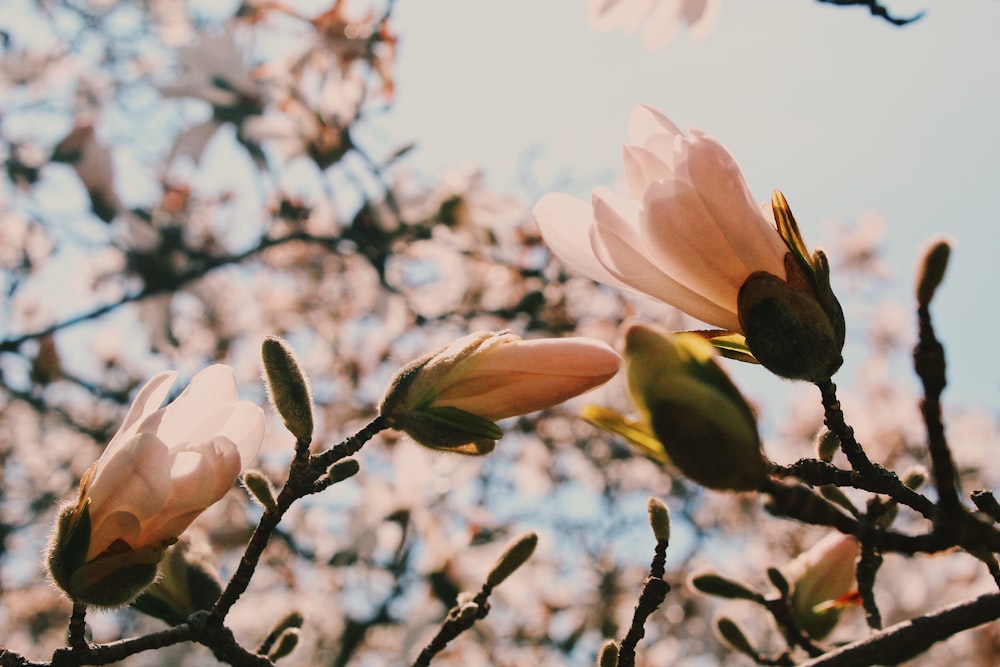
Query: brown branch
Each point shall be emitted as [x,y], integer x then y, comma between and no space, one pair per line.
[654,591]
[911,638]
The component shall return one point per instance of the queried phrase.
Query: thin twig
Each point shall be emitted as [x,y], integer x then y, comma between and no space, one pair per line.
[654,591]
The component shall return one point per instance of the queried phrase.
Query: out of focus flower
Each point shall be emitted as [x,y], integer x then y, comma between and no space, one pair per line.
[660,19]
[822,581]
[690,234]
[702,422]
[451,398]
[214,70]
[162,469]
[92,163]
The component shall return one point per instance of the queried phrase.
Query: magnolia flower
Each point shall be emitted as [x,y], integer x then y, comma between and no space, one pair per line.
[162,469]
[660,19]
[690,234]
[450,398]
[822,581]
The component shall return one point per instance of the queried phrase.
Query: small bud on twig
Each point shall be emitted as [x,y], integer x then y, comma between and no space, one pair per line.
[513,557]
[286,644]
[719,586]
[287,387]
[608,655]
[260,489]
[733,635]
[659,519]
[932,271]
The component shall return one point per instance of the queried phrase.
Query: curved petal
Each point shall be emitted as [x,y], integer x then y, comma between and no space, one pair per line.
[245,428]
[684,239]
[645,122]
[616,244]
[201,409]
[701,16]
[662,24]
[643,167]
[145,403]
[563,221]
[135,480]
[720,183]
[201,474]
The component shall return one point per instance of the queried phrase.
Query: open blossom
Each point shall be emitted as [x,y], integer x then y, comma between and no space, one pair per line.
[162,469]
[450,398]
[690,234]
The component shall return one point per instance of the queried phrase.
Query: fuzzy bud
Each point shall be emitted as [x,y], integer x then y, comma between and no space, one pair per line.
[659,519]
[287,387]
[932,270]
[514,556]
[722,587]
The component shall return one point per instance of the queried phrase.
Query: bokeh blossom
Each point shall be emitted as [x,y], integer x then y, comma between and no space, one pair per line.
[659,19]
[162,469]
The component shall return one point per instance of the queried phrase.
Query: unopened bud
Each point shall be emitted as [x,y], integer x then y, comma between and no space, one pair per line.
[260,489]
[827,445]
[513,557]
[659,519]
[342,470]
[719,586]
[286,643]
[915,477]
[287,387]
[778,581]
[608,655]
[731,633]
[705,426]
[932,270]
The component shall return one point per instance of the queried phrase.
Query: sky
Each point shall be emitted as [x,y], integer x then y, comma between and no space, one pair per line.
[846,114]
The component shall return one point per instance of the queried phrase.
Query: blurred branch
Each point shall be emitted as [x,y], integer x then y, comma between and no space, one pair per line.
[876,9]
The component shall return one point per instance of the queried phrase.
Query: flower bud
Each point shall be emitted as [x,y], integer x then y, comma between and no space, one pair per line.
[794,325]
[187,582]
[287,387]
[450,399]
[820,578]
[705,426]
[514,556]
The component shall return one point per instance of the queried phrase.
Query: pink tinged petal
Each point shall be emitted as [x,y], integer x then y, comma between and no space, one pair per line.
[646,122]
[616,244]
[201,409]
[245,428]
[609,14]
[135,481]
[200,475]
[563,221]
[685,241]
[662,24]
[525,376]
[643,167]
[145,403]
[701,16]
[720,183]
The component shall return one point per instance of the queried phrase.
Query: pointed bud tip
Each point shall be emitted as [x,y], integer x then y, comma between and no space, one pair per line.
[513,557]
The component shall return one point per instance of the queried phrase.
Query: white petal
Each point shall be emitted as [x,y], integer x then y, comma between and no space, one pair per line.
[686,242]
[203,407]
[617,244]
[718,179]
[145,403]
[245,428]
[563,221]
[645,122]
[643,167]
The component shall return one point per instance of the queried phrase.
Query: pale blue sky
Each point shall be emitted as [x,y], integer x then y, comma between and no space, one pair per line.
[845,113]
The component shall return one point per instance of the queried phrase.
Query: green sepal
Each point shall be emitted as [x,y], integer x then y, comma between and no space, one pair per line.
[728,344]
[788,229]
[637,433]
[74,547]
[452,417]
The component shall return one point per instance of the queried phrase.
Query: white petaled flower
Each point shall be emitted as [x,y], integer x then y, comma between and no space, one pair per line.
[162,469]
[823,580]
[688,232]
